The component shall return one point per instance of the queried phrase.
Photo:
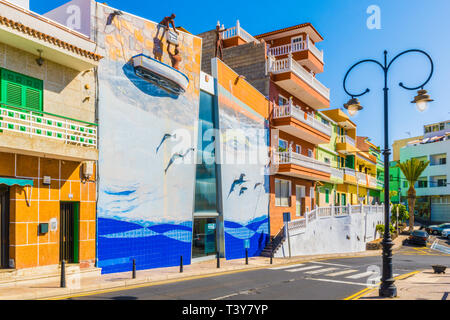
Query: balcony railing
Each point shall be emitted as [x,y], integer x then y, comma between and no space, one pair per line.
[290,157]
[291,110]
[362,178]
[240,32]
[350,172]
[337,173]
[290,65]
[48,126]
[373,182]
[347,139]
[297,47]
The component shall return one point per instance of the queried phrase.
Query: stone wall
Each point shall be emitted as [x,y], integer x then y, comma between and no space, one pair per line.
[247,59]
[65,91]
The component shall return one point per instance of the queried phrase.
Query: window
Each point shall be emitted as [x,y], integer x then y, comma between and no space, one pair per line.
[326,160]
[327,196]
[299,195]
[282,145]
[297,42]
[282,101]
[310,153]
[298,149]
[442,182]
[423,183]
[282,193]
[18,90]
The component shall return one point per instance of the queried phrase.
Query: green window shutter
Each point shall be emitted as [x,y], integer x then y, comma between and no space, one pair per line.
[327,196]
[19,90]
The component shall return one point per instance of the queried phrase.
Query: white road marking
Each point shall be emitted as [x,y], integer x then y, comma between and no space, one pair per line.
[330,264]
[339,281]
[227,296]
[340,273]
[360,275]
[303,269]
[286,267]
[321,271]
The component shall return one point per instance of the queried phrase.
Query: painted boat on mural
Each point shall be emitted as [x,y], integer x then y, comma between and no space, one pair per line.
[160,74]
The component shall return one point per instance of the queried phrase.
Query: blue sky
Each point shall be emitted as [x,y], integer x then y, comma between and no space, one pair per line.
[405,24]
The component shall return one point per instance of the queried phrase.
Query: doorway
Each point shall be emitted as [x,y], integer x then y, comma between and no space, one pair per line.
[69,232]
[4,227]
[204,237]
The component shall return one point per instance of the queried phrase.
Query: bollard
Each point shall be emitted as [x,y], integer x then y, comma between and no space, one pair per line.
[246,256]
[63,274]
[271,256]
[181,264]
[134,269]
[218,260]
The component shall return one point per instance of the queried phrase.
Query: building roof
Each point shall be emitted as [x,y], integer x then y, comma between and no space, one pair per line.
[315,35]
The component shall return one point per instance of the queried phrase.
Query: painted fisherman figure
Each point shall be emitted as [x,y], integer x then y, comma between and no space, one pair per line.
[166,23]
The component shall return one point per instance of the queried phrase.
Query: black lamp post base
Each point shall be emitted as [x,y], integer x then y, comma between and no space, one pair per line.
[389,291]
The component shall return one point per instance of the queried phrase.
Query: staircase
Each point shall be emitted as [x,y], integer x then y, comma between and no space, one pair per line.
[274,244]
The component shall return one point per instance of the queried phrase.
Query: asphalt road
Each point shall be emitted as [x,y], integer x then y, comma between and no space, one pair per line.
[320,280]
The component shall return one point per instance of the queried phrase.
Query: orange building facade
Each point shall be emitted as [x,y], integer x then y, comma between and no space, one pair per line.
[48,143]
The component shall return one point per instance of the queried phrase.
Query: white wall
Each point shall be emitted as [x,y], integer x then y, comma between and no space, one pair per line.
[329,235]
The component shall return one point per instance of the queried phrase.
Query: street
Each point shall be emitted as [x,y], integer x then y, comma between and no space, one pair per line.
[334,279]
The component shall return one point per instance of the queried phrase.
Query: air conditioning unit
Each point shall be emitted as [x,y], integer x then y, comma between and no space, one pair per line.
[88,169]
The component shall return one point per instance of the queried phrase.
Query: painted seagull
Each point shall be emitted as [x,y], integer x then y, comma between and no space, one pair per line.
[166,136]
[237,182]
[257,185]
[243,189]
[178,156]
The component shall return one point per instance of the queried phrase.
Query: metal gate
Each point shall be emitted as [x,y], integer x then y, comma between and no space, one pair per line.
[69,232]
[4,227]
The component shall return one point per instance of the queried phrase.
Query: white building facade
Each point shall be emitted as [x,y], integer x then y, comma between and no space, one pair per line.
[433,188]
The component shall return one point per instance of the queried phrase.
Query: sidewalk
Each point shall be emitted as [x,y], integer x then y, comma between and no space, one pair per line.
[424,285]
[42,288]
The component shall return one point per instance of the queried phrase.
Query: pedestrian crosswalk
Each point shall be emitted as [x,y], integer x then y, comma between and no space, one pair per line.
[331,270]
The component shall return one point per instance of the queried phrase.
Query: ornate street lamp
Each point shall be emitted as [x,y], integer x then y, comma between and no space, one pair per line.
[387,287]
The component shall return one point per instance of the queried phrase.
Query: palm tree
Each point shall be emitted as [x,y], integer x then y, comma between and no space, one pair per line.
[412,170]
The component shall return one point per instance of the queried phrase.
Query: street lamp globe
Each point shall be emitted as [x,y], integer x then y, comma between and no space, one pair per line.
[422,100]
[353,106]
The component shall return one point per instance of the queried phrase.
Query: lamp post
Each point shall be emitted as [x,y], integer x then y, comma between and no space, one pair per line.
[387,287]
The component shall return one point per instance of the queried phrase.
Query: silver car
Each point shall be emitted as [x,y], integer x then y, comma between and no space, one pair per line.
[446,233]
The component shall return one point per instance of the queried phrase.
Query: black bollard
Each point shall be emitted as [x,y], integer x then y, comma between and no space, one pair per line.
[271,256]
[63,274]
[246,256]
[181,264]
[134,269]
[218,260]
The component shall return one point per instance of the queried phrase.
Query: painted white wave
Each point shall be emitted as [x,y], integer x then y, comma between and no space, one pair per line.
[139,233]
[180,235]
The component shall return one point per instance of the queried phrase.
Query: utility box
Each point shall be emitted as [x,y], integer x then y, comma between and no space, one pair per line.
[43,228]
[88,169]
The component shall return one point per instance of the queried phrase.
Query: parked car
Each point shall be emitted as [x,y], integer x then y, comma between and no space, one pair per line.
[437,230]
[446,233]
[419,237]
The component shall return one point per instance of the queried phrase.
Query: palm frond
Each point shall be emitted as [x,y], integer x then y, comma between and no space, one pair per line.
[412,169]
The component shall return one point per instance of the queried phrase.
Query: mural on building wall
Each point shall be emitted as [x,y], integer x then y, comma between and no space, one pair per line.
[148,111]
[245,183]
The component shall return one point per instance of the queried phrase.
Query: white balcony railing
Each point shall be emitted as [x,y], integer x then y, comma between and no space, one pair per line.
[297,47]
[47,126]
[373,181]
[290,65]
[362,178]
[350,172]
[240,32]
[347,139]
[337,173]
[290,157]
[291,110]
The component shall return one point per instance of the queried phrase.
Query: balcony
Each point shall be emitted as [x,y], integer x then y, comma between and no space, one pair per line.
[28,31]
[292,77]
[236,36]
[304,51]
[44,134]
[346,145]
[291,119]
[372,182]
[349,176]
[300,166]
[361,178]
[337,175]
